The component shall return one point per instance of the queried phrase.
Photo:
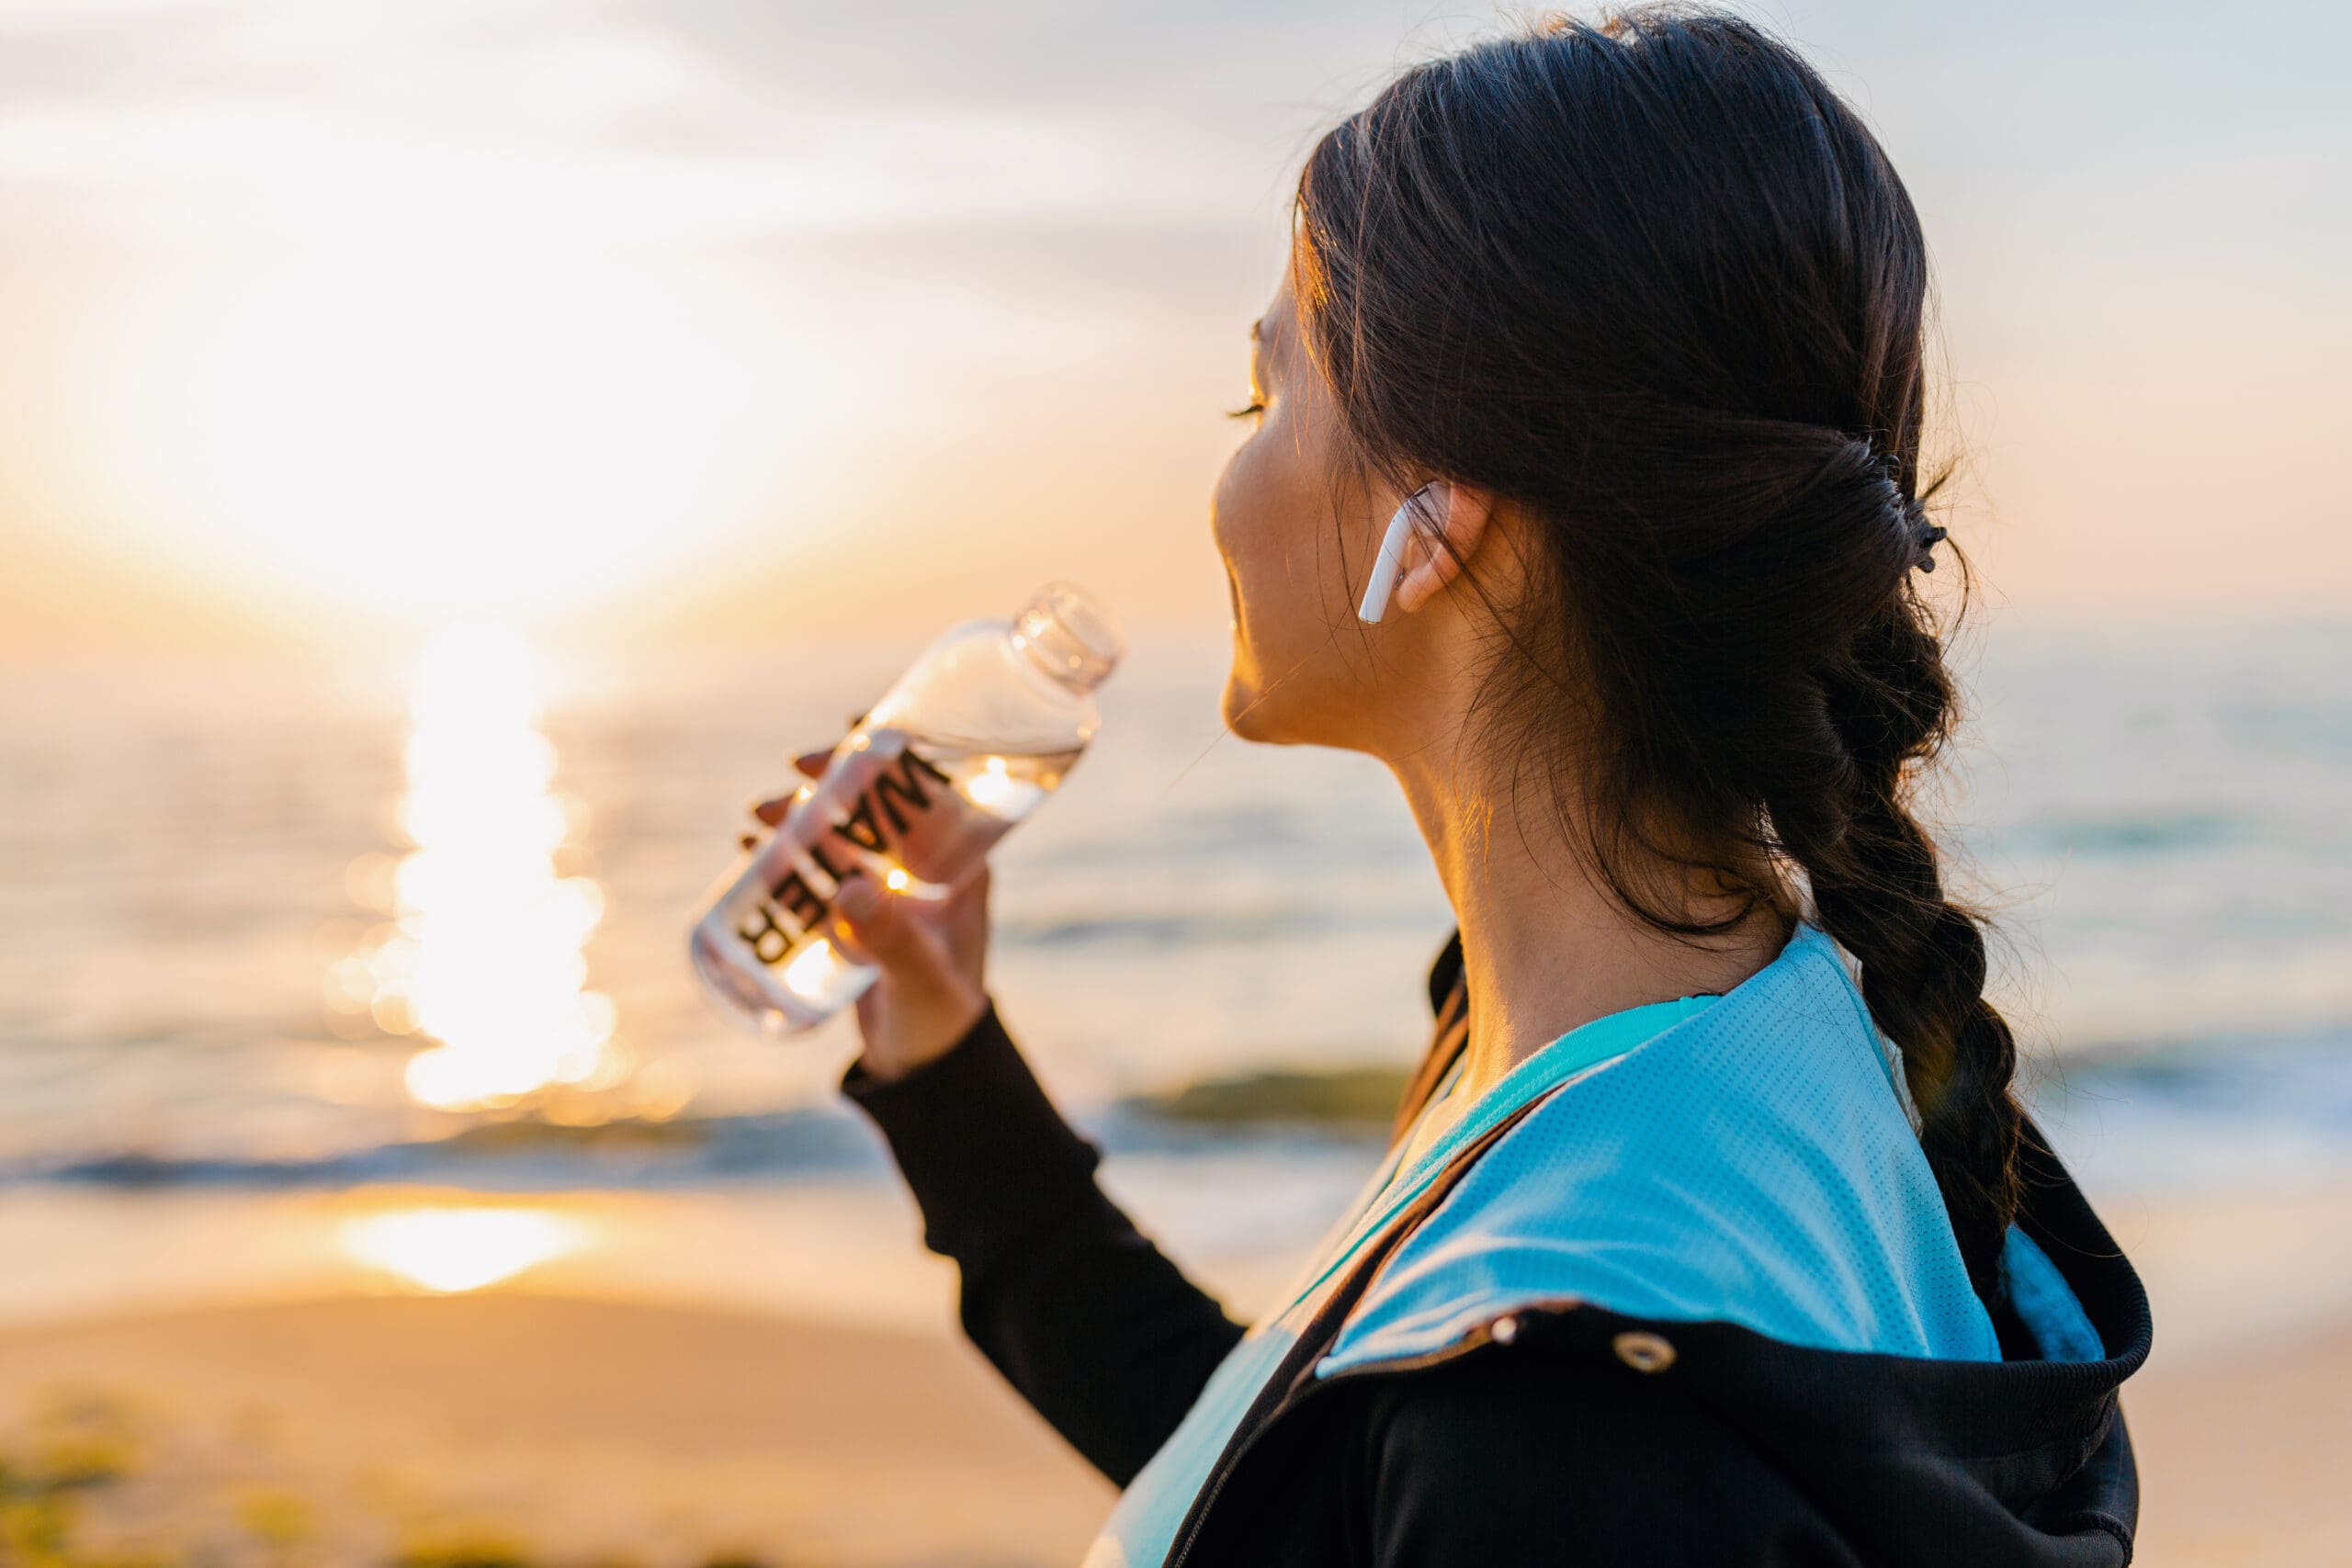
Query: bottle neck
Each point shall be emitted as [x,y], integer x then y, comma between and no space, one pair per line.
[1067,635]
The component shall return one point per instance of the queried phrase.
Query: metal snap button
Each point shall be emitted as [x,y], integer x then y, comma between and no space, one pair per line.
[1642,1352]
[1503,1330]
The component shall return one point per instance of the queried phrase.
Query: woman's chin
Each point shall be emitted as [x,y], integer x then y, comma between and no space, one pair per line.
[1243,708]
[1234,706]
[1250,711]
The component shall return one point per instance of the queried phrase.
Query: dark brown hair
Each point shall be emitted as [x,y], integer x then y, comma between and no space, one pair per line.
[1654,284]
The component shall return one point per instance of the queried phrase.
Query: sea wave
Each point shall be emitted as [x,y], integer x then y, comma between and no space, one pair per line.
[518,1154]
[812,1144]
[2228,1113]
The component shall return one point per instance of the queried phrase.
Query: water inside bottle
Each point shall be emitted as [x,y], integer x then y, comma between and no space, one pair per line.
[919,815]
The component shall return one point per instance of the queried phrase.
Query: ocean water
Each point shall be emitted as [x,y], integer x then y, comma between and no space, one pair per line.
[203,899]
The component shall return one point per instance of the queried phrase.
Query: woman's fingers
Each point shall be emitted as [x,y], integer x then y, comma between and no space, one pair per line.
[882,930]
[971,890]
[964,916]
[813,763]
[773,811]
[930,993]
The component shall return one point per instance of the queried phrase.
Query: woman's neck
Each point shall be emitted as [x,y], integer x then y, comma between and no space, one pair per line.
[1544,948]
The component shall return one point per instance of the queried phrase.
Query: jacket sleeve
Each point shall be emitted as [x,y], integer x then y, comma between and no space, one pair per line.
[1088,1320]
[1565,1464]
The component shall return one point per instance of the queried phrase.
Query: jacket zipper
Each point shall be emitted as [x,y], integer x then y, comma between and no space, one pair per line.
[1319,1334]
[1477,1337]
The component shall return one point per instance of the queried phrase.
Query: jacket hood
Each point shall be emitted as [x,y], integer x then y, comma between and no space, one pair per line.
[1738,1207]
[1922,1461]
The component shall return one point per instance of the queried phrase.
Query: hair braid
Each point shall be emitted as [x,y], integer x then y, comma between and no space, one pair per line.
[1879,892]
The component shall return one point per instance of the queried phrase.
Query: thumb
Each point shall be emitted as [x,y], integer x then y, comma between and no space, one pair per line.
[877,929]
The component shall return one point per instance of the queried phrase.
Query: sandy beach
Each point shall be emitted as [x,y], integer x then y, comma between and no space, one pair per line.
[527,1429]
[506,1428]
[2242,1458]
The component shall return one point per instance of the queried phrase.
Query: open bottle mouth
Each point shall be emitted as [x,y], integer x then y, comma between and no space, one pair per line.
[1066,632]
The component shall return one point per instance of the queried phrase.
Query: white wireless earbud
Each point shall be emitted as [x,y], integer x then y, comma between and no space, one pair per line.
[1388,566]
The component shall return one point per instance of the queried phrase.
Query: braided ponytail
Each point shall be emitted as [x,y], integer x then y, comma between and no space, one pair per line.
[1878,889]
[1654,283]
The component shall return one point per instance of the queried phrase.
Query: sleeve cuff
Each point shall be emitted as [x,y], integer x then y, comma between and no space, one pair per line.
[981,1145]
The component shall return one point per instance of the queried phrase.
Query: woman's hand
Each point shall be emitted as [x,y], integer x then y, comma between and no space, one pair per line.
[929,952]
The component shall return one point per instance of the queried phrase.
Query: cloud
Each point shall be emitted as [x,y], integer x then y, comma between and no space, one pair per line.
[212,125]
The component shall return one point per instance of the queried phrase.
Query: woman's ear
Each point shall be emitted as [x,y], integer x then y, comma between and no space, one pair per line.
[1454,520]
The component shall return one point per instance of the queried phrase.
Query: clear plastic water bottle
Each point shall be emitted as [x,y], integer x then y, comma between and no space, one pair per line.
[969,741]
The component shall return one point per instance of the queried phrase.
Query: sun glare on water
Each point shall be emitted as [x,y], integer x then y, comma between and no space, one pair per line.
[457,1249]
[485,959]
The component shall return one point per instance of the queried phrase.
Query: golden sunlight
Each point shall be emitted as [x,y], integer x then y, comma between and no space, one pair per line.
[483,434]
[457,1249]
[485,957]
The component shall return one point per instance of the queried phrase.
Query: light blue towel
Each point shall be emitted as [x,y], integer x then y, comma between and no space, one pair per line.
[1752,1165]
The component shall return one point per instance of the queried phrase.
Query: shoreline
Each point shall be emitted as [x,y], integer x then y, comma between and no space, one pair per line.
[2218,1267]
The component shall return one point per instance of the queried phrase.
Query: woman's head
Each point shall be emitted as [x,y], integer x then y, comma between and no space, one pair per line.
[1649,301]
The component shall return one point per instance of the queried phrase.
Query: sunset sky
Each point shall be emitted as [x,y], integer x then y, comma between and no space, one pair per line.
[677,322]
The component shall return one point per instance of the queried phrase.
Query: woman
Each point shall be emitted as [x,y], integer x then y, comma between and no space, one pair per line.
[1693,1246]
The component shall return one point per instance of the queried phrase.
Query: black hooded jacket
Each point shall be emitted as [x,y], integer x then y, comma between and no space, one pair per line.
[1559,1433]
